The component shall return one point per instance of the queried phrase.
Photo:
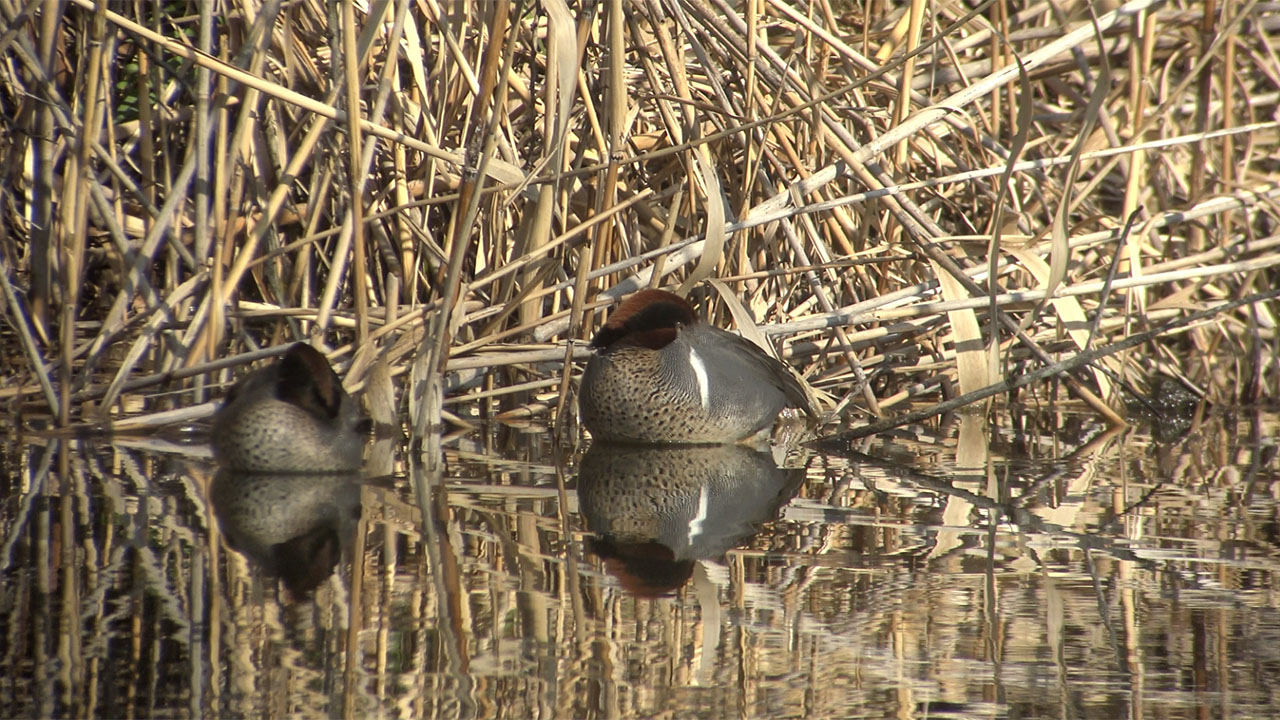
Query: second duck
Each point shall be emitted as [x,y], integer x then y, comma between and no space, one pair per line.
[659,376]
[290,417]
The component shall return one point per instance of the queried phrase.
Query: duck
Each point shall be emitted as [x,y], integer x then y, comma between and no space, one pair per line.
[292,416]
[660,376]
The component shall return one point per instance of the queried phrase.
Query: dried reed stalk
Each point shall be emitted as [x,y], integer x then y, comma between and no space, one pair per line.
[476,181]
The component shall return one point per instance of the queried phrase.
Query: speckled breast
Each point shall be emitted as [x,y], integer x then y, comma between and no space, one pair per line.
[645,396]
[274,436]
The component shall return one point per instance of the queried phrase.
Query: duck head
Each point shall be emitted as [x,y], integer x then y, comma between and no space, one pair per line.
[649,319]
[306,379]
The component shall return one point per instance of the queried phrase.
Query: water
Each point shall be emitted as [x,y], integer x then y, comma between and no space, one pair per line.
[1042,567]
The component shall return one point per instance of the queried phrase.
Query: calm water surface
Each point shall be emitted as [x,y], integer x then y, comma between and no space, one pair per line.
[1039,567]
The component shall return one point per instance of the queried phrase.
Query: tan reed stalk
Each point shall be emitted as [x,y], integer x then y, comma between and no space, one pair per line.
[769,113]
[351,80]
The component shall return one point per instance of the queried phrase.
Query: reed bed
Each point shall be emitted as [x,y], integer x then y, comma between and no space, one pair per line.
[907,202]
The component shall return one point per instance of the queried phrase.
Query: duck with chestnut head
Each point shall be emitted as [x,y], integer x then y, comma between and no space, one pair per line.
[292,416]
[659,376]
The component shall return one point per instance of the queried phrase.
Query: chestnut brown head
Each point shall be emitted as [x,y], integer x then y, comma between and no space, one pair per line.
[649,319]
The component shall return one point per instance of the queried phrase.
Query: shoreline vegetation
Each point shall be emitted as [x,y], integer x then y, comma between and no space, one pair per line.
[448,197]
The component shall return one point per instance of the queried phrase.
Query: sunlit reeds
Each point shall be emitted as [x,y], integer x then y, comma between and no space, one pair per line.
[457,190]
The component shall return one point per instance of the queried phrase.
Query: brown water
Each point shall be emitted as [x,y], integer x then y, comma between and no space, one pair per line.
[1041,568]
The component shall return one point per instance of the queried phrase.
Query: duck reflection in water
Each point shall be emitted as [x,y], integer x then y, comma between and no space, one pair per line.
[295,526]
[657,510]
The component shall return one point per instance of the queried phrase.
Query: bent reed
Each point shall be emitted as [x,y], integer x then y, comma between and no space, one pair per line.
[907,203]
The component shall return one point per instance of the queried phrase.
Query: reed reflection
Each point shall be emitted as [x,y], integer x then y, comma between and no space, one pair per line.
[657,510]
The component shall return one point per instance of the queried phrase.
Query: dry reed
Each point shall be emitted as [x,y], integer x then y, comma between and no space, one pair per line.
[908,201]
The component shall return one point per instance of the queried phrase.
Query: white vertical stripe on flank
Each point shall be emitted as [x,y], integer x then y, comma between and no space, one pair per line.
[700,374]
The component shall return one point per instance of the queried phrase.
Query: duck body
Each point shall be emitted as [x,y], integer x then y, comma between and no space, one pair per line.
[661,377]
[290,417]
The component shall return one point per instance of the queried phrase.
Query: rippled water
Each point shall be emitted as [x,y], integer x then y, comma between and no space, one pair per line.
[1044,567]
